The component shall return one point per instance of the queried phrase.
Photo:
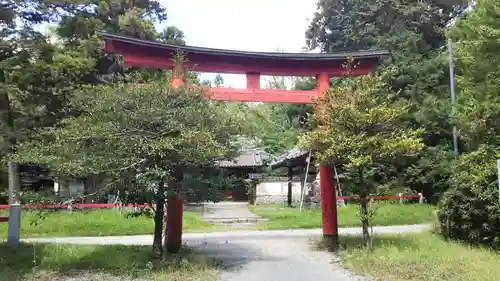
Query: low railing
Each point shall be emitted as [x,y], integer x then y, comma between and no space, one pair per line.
[400,197]
[79,206]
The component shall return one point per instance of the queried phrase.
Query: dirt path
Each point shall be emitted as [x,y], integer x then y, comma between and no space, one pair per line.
[280,255]
[274,259]
[212,237]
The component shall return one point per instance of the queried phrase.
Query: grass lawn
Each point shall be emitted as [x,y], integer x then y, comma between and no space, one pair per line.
[46,262]
[95,223]
[386,214]
[416,257]
[110,222]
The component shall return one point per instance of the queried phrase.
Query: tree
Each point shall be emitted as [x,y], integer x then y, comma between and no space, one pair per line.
[280,125]
[218,81]
[78,26]
[172,35]
[36,76]
[469,210]
[478,111]
[416,69]
[41,71]
[277,131]
[151,129]
[361,129]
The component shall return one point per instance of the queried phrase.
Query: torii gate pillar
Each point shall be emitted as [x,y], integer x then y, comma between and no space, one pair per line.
[175,205]
[326,181]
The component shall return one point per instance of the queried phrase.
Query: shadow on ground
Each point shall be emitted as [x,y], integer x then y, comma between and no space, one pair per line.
[123,262]
[232,255]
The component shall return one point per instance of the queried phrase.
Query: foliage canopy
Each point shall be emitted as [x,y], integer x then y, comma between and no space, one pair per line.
[152,125]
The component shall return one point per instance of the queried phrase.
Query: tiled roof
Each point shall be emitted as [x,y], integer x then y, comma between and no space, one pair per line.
[288,155]
[250,158]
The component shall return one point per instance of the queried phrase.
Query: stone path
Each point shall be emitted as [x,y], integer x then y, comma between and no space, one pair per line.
[276,259]
[279,255]
[229,213]
[239,235]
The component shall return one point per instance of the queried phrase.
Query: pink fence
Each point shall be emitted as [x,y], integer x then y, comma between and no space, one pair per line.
[77,206]
[382,197]
[101,206]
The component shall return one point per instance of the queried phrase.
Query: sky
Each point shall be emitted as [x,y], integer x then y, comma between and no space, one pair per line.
[256,25]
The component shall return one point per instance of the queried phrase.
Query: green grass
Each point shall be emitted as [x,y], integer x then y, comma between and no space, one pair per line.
[416,257]
[44,262]
[95,223]
[385,214]
[110,222]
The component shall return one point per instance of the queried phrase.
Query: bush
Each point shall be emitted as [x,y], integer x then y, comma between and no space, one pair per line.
[4,198]
[141,212]
[430,175]
[31,197]
[470,209]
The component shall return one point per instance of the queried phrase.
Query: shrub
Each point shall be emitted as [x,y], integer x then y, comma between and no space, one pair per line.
[140,212]
[470,209]
[31,197]
[430,174]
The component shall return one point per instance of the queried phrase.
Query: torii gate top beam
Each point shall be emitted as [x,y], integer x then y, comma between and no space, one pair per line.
[150,54]
[143,53]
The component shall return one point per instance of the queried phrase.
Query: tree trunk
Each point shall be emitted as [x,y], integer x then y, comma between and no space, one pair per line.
[175,207]
[157,238]
[290,178]
[165,220]
[249,185]
[7,119]
[364,220]
[365,224]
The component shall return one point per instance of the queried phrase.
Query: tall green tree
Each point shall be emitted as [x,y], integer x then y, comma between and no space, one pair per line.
[41,71]
[35,77]
[470,210]
[414,33]
[475,38]
[363,130]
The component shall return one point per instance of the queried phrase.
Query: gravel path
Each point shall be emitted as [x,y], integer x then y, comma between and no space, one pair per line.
[280,255]
[222,236]
[278,259]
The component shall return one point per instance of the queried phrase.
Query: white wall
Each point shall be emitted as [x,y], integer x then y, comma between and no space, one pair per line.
[76,188]
[73,188]
[278,189]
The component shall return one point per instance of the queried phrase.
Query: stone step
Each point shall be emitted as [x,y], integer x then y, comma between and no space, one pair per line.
[235,220]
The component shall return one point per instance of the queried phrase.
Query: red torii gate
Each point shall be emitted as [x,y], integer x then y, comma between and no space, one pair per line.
[149,54]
